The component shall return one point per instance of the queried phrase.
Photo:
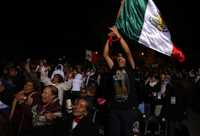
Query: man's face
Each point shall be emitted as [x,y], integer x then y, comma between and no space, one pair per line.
[79,108]
[121,60]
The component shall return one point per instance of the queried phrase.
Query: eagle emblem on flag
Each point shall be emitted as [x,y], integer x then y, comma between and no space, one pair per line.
[158,22]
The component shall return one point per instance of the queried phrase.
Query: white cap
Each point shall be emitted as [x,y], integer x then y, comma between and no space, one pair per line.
[59,71]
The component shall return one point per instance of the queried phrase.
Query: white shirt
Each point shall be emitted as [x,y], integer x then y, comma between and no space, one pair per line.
[65,86]
[77,82]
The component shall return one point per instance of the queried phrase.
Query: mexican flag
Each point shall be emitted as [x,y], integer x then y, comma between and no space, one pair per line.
[141,20]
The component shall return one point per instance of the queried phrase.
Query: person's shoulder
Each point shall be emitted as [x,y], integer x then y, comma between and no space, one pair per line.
[113,69]
[88,124]
[129,68]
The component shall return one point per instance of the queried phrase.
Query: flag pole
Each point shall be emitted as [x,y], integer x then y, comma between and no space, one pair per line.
[110,39]
[121,5]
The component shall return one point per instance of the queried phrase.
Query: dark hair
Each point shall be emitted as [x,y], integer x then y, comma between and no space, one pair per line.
[32,81]
[60,78]
[116,65]
[91,89]
[78,68]
[54,90]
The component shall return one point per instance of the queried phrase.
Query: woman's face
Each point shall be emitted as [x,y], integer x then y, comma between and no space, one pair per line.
[47,95]
[28,87]
[121,60]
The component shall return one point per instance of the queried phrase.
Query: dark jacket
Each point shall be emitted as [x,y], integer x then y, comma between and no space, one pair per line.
[42,126]
[84,128]
[38,112]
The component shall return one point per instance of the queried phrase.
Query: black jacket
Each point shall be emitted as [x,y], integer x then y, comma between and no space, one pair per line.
[84,128]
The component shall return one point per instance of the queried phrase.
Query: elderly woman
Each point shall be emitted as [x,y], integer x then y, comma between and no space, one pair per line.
[47,112]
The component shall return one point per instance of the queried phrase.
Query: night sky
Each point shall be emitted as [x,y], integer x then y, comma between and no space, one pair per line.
[54,29]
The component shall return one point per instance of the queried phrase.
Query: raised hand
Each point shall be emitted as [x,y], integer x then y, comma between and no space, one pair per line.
[115,31]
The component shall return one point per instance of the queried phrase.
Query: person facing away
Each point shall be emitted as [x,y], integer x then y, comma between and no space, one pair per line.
[124,101]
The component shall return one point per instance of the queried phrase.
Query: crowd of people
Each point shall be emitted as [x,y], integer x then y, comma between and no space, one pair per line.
[41,98]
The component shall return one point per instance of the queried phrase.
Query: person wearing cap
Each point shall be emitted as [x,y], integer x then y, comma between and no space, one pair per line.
[58,80]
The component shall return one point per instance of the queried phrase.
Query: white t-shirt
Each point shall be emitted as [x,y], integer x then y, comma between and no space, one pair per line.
[65,86]
[77,82]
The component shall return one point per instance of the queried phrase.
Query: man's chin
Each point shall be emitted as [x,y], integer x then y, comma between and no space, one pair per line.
[77,116]
[122,66]
[44,102]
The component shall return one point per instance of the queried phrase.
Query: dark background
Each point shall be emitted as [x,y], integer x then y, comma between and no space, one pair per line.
[68,28]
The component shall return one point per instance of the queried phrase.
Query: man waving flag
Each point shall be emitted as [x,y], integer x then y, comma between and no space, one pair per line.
[140,20]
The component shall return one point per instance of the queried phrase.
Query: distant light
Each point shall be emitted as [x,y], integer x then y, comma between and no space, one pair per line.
[142,53]
[96,52]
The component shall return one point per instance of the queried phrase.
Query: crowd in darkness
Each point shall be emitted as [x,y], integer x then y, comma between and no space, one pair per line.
[70,96]
[23,86]
[44,97]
